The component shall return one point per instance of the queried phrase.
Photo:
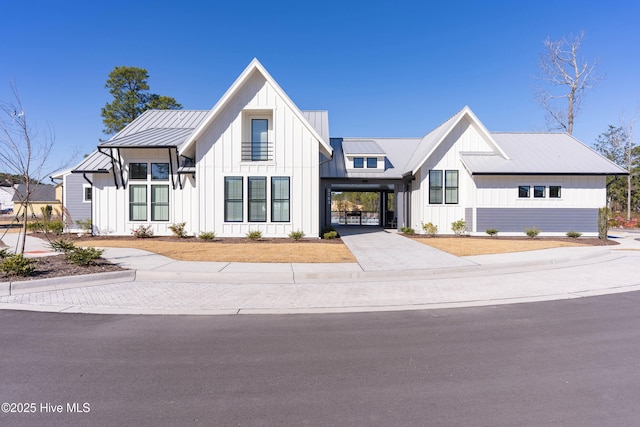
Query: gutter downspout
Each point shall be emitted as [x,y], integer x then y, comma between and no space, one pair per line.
[121,171]
[173,181]
[84,175]
[178,165]
[113,166]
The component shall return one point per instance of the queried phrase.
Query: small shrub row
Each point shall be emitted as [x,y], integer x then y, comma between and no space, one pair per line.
[532,231]
[17,265]
[330,235]
[83,256]
[254,234]
[430,229]
[296,235]
[459,227]
[74,254]
[179,230]
[207,235]
[85,226]
[142,232]
[61,245]
[54,226]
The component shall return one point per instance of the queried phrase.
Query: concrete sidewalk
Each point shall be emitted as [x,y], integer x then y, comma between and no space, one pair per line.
[166,286]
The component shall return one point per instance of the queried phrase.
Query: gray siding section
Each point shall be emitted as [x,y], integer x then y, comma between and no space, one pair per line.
[468,218]
[75,206]
[546,219]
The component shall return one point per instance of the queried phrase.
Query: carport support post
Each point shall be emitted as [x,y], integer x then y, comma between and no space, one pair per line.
[382,198]
[400,205]
[325,207]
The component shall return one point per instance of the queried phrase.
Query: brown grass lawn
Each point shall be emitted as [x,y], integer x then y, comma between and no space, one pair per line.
[313,251]
[334,251]
[468,246]
[261,251]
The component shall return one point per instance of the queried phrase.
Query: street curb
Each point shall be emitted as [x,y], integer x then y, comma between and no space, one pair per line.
[293,277]
[215,277]
[242,311]
[66,282]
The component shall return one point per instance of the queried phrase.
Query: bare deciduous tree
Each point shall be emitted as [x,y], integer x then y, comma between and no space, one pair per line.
[629,124]
[23,153]
[567,77]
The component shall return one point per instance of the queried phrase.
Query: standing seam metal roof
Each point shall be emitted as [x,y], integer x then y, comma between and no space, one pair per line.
[150,138]
[163,119]
[95,162]
[398,152]
[361,147]
[540,153]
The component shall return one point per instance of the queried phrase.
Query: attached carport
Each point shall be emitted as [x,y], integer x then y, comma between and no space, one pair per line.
[369,165]
[390,206]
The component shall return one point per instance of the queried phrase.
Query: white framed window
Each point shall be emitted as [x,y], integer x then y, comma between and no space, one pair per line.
[147,198]
[280,198]
[555,191]
[257,136]
[451,187]
[435,187]
[233,200]
[87,193]
[138,202]
[257,199]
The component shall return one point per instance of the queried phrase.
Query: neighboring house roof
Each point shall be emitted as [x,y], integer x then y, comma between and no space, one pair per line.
[255,67]
[6,193]
[397,151]
[540,153]
[42,193]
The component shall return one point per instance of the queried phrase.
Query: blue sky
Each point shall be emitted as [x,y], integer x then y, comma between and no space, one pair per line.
[379,68]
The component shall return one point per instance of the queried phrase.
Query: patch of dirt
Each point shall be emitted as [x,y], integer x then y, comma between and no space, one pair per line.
[57,266]
[481,245]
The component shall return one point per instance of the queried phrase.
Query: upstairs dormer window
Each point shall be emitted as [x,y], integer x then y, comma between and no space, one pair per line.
[363,155]
[259,139]
[257,145]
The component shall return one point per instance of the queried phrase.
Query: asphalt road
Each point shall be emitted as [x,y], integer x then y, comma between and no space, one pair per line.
[562,363]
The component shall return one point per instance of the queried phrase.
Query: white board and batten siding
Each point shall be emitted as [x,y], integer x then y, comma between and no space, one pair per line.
[464,137]
[111,206]
[295,155]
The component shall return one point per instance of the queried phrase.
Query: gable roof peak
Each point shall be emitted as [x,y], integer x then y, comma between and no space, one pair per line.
[431,141]
[254,65]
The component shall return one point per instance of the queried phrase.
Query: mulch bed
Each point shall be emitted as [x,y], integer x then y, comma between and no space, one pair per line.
[191,239]
[57,266]
[593,241]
